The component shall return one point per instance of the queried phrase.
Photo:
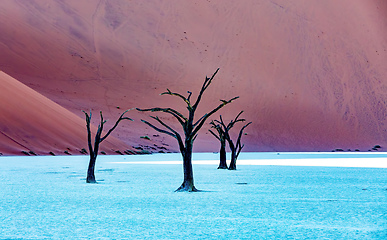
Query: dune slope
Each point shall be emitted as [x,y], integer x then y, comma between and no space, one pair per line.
[34,124]
[310,74]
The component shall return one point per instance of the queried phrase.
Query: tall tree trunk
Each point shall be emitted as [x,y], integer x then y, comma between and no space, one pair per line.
[97,140]
[188,183]
[233,158]
[222,162]
[190,128]
[90,171]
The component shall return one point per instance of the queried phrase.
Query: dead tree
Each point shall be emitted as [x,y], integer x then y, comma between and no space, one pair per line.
[225,129]
[222,139]
[190,128]
[97,140]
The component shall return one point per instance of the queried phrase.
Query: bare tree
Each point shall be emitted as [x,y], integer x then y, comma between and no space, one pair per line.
[224,130]
[97,140]
[190,128]
[222,139]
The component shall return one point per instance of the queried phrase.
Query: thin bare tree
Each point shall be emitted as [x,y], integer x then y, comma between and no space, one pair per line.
[222,139]
[224,130]
[190,128]
[97,140]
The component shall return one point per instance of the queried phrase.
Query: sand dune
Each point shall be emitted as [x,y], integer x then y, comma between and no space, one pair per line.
[310,74]
[34,124]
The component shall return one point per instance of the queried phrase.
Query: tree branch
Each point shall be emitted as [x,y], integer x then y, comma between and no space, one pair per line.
[189,96]
[97,139]
[180,117]
[232,123]
[89,133]
[206,83]
[116,124]
[186,100]
[201,121]
[238,144]
[165,125]
[158,129]
[219,129]
[217,137]
[173,133]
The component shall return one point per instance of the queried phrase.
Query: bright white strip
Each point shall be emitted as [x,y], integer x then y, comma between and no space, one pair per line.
[321,162]
[149,162]
[202,162]
[317,162]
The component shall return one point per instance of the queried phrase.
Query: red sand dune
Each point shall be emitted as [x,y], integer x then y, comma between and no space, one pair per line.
[311,74]
[34,124]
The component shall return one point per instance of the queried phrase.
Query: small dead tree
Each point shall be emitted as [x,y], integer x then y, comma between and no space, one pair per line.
[225,131]
[222,139]
[190,128]
[97,140]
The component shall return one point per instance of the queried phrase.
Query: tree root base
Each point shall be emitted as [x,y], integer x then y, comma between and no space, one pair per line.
[91,181]
[222,167]
[187,188]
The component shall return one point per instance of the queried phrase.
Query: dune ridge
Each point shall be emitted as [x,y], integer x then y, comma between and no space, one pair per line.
[36,125]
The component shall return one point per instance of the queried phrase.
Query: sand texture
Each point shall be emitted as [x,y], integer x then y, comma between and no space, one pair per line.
[34,124]
[311,75]
[48,199]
